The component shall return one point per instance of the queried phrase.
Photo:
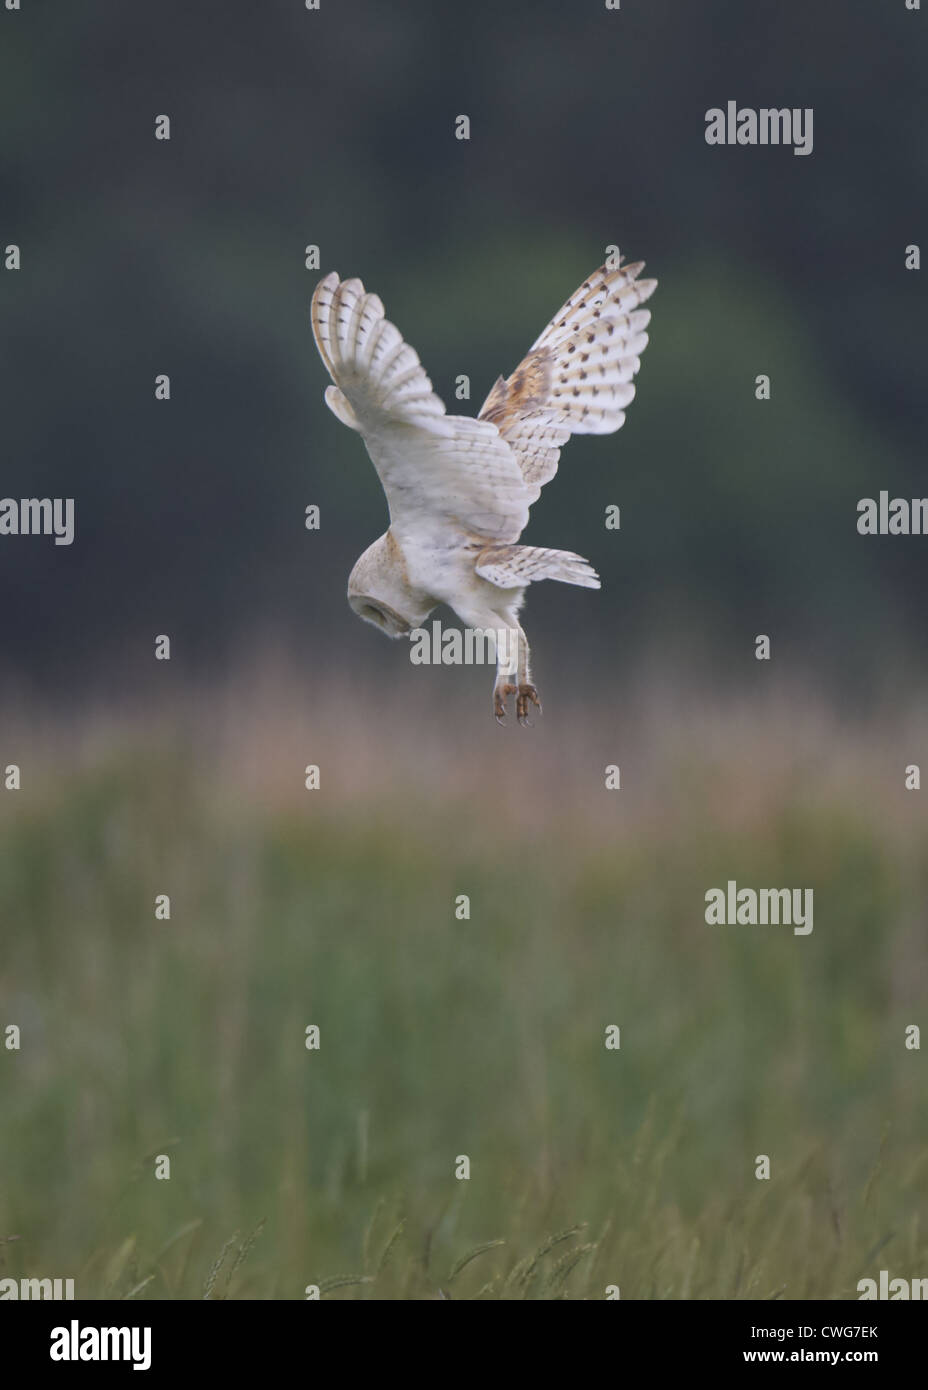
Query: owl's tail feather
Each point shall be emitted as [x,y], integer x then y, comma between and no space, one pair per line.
[514,566]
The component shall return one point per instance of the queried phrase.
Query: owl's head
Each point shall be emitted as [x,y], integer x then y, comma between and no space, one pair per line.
[379,590]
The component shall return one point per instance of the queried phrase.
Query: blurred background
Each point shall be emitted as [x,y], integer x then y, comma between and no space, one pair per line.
[441,1037]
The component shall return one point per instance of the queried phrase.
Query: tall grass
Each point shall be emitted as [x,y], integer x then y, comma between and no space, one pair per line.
[443,1037]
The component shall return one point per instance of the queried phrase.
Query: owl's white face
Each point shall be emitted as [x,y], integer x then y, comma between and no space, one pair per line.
[380,614]
[379,590]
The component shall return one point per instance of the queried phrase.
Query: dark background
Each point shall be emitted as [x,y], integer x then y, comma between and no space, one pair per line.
[337,128]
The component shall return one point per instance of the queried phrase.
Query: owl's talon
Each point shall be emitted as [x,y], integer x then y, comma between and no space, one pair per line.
[501,694]
[527,695]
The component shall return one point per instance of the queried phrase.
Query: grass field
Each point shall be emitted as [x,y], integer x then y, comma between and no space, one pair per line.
[443,1037]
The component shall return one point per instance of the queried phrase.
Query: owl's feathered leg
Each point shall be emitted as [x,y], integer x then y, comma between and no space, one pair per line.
[513,677]
[513,673]
[507,667]
[527,694]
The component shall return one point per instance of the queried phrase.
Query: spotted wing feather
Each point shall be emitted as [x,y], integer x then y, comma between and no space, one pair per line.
[577,377]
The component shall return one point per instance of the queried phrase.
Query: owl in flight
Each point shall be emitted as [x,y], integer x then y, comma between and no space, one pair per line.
[458,489]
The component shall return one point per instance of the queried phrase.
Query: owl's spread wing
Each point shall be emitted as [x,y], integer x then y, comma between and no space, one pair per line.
[577,376]
[431,465]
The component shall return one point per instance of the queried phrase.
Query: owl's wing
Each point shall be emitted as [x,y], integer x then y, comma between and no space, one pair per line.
[432,465]
[577,376]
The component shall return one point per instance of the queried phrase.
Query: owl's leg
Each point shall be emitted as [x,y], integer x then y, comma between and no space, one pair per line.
[501,692]
[513,677]
[506,671]
[527,694]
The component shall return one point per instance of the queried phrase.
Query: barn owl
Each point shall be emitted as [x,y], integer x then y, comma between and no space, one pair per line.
[459,489]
